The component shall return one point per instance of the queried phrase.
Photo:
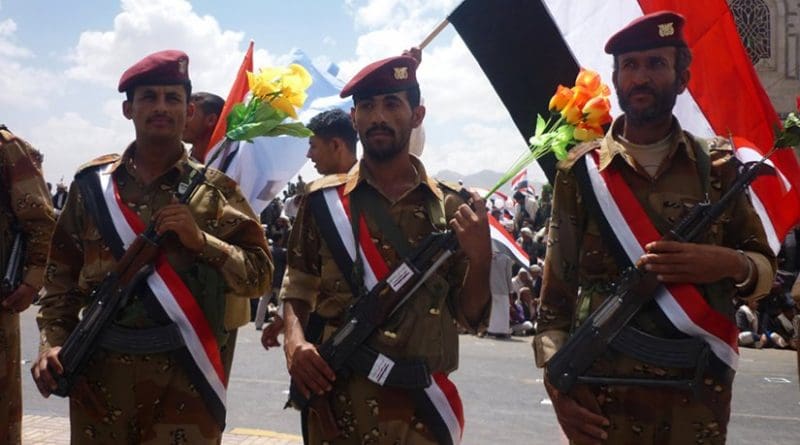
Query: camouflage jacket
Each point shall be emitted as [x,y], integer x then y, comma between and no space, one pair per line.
[424,327]
[24,203]
[579,267]
[234,263]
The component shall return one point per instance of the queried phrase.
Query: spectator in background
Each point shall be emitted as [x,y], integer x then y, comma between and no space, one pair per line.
[747,322]
[536,279]
[523,279]
[500,286]
[60,197]
[332,149]
[527,243]
[200,125]
[520,324]
[544,207]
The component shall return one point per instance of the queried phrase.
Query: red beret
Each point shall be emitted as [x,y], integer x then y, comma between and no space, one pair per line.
[169,67]
[383,77]
[663,28]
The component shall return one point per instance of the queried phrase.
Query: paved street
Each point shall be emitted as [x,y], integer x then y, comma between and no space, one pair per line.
[502,393]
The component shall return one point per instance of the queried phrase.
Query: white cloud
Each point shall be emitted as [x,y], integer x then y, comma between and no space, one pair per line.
[22,86]
[146,26]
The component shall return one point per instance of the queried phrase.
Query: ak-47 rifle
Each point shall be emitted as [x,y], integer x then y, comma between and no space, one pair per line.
[633,290]
[371,311]
[12,277]
[111,295]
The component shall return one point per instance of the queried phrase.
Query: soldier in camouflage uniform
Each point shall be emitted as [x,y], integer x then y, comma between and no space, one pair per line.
[214,243]
[24,205]
[661,164]
[386,98]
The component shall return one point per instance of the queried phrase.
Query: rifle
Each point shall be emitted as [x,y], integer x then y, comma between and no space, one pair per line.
[12,277]
[634,289]
[370,311]
[112,294]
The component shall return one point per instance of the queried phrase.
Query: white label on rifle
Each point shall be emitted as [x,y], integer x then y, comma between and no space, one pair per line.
[380,369]
[400,277]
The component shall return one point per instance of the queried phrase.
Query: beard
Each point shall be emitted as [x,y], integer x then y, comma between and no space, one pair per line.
[661,108]
[384,151]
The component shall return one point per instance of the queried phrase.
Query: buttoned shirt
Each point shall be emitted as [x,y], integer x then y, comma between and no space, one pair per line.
[424,327]
[580,268]
[235,247]
[24,204]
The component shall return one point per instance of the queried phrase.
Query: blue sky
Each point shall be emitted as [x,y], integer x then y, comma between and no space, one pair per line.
[62,61]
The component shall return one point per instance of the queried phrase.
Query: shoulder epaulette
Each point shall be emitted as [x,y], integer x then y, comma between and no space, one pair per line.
[326,182]
[102,160]
[448,186]
[577,153]
[5,135]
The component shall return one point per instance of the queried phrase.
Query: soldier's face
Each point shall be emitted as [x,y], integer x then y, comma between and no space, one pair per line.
[384,123]
[647,84]
[322,152]
[158,111]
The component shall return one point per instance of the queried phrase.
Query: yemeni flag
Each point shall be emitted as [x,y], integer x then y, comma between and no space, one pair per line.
[528,47]
[503,242]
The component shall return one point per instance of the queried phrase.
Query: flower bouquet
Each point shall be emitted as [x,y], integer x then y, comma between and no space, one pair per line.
[577,115]
[275,95]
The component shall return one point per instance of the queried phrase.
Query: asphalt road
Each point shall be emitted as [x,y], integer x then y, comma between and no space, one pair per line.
[504,399]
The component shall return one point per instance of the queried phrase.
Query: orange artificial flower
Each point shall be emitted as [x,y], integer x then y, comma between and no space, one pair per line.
[590,80]
[587,132]
[597,111]
[560,99]
[573,111]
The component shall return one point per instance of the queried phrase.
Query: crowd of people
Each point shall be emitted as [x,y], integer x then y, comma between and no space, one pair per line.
[184,271]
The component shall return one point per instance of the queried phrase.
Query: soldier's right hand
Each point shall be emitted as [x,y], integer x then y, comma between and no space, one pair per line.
[41,371]
[309,371]
[577,414]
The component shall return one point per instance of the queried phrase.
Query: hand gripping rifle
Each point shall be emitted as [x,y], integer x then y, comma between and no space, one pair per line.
[12,277]
[371,311]
[634,289]
[112,294]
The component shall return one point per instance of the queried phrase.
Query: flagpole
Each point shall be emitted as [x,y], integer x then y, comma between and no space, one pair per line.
[439,28]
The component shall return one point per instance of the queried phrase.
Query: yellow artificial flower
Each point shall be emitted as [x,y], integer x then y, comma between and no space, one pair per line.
[283,88]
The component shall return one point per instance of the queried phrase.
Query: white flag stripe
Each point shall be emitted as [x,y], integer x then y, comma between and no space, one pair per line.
[443,407]
[344,228]
[634,250]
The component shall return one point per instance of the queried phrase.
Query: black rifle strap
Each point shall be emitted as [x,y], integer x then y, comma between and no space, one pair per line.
[95,206]
[327,229]
[593,206]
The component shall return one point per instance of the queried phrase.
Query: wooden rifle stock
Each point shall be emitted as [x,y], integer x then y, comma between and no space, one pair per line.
[110,296]
[632,291]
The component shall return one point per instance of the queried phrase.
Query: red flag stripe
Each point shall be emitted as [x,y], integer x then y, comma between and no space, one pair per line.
[683,304]
[237,94]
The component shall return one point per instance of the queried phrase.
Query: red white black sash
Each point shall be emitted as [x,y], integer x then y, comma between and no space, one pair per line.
[439,405]
[177,302]
[681,303]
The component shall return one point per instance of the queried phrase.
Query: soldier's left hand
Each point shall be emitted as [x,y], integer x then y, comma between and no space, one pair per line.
[678,262]
[178,218]
[472,230]
[269,335]
[20,299]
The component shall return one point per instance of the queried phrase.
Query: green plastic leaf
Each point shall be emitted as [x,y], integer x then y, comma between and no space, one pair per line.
[540,125]
[295,129]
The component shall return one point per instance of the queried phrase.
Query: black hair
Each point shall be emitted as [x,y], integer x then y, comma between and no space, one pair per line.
[208,102]
[335,123]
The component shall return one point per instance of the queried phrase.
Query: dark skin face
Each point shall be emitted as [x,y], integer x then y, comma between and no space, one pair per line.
[384,123]
[158,112]
[322,152]
[647,85]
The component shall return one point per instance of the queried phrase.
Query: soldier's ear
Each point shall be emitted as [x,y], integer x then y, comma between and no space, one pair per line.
[126,109]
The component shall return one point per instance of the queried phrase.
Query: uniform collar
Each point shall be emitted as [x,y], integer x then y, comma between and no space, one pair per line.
[357,175]
[127,160]
[611,147]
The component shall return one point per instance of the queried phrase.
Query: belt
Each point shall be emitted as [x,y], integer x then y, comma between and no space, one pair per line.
[142,341]
[687,353]
[385,371]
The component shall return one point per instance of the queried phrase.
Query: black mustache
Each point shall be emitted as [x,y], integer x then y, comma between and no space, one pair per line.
[152,118]
[639,90]
[380,127]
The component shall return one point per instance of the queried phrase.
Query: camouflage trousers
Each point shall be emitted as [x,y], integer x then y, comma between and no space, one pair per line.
[140,399]
[660,416]
[368,414]
[10,380]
